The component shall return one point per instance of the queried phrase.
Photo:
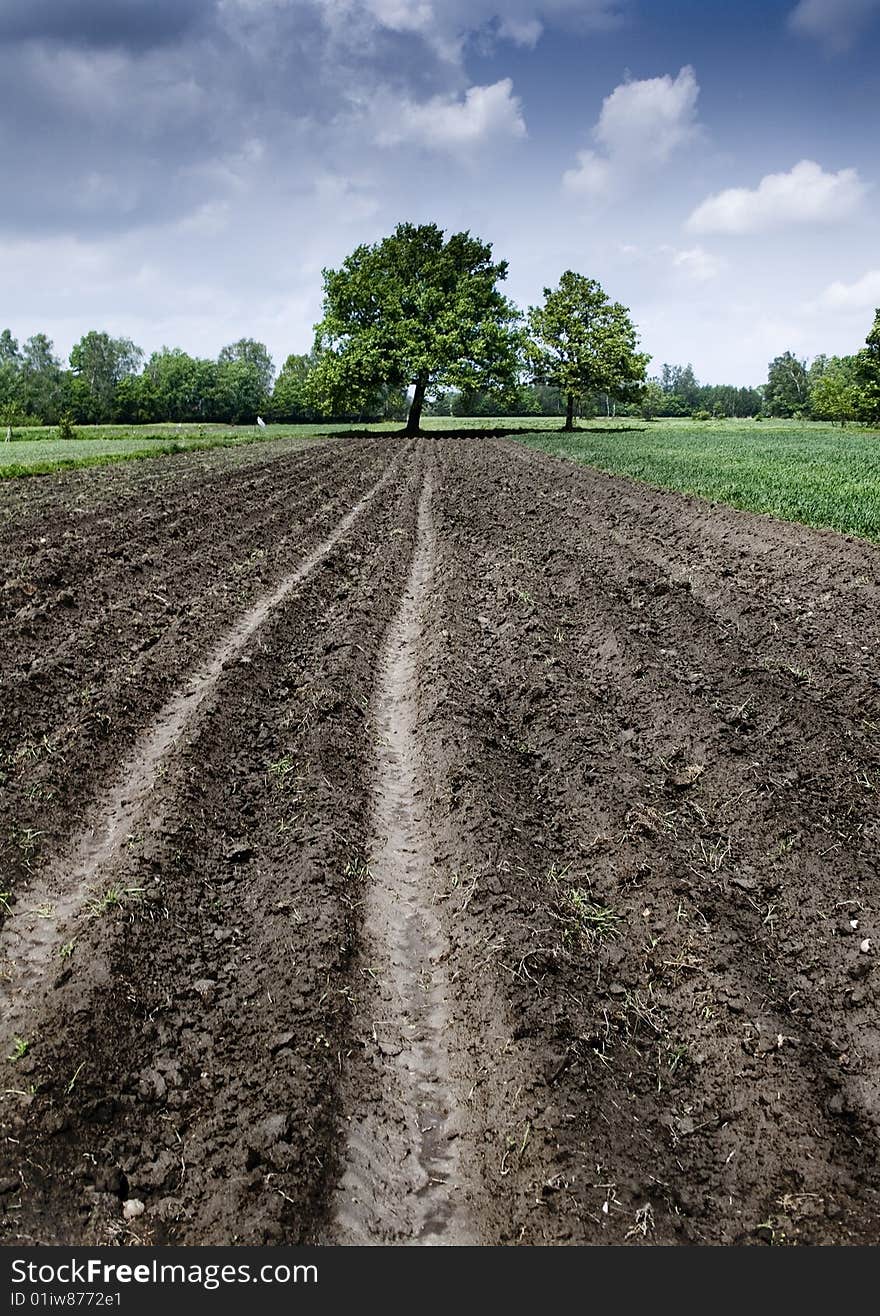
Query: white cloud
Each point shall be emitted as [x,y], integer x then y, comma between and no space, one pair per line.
[694,264]
[209,219]
[160,287]
[863,295]
[402,15]
[447,123]
[354,199]
[445,24]
[697,263]
[836,23]
[647,120]
[235,171]
[805,195]
[641,124]
[591,176]
[522,31]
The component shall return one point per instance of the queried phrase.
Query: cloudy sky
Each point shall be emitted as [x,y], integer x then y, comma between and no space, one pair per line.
[179,171]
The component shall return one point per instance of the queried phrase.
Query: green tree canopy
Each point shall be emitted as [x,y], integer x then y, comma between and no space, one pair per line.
[240,393]
[581,342]
[867,368]
[42,383]
[653,399]
[177,386]
[102,362]
[10,381]
[9,353]
[290,399]
[253,354]
[787,390]
[414,310]
[834,389]
[681,382]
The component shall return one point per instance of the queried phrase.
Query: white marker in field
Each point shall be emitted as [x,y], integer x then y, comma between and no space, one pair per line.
[8,433]
[261,422]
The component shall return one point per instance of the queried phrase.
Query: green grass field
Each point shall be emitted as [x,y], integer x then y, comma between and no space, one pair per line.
[800,471]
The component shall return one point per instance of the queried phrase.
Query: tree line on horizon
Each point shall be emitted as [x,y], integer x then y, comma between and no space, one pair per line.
[417,324]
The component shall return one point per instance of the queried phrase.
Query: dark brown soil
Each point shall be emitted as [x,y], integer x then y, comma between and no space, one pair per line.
[514,880]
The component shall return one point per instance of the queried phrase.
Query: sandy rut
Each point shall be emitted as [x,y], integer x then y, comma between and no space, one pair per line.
[403,1179]
[506,874]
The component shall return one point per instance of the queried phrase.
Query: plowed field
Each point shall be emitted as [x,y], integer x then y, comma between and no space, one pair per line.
[433,842]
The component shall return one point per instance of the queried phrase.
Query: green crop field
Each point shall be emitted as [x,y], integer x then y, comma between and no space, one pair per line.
[100,445]
[803,471]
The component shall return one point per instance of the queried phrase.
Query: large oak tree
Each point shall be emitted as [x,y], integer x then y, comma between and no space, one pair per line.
[416,310]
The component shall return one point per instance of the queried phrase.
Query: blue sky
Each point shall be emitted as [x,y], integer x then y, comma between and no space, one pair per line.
[182,169]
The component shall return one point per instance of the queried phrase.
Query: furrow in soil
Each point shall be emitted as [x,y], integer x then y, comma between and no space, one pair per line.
[187,1051]
[146,593]
[41,925]
[403,1178]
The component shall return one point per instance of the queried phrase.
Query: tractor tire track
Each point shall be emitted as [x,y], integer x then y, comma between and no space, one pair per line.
[403,1176]
[32,937]
[83,670]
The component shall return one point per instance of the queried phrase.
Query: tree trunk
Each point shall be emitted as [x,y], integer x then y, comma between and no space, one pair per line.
[415,410]
[569,413]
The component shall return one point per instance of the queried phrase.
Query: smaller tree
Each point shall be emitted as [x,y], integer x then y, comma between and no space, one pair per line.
[787,391]
[42,382]
[9,353]
[80,402]
[653,399]
[867,372]
[101,363]
[10,375]
[290,399]
[66,430]
[682,388]
[129,399]
[176,386]
[253,354]
[818,366]
[239,396]
[687,387]
[834,390]
[581,342]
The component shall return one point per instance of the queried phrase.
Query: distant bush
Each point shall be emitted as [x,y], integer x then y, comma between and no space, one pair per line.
[66,428]
[701,415]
